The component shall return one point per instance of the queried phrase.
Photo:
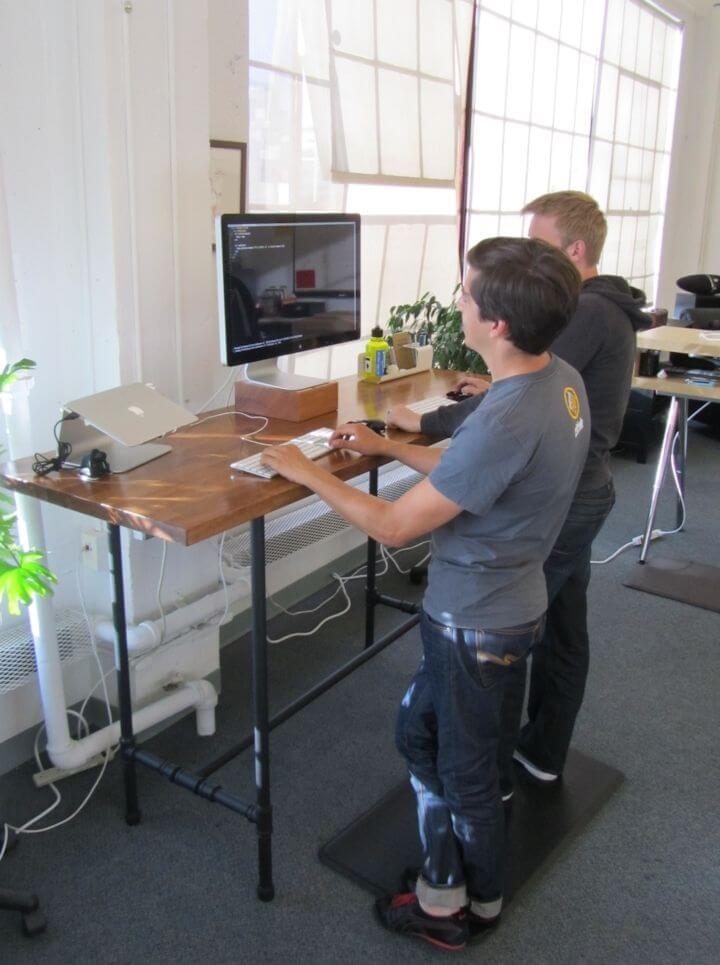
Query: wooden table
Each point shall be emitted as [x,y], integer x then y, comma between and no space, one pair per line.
[690,342]
[192,494]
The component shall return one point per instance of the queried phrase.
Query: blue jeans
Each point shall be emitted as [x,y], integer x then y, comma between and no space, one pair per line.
[448,730]
[560,663]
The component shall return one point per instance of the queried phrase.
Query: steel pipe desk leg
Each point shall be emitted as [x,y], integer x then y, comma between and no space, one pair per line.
[370,592]
[660,472]
[127,737]
[265,888]
[682,459]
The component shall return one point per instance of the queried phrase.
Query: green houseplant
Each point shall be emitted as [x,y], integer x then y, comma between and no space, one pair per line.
[22,575]
[441,325]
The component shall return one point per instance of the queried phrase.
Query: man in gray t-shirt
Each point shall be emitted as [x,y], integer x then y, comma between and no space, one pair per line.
[509,466]
[494,502]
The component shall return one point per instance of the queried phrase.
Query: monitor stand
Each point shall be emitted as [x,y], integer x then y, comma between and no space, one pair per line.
[263,389]
[267,372]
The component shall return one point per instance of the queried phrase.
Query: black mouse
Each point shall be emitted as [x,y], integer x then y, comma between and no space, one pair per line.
[456,395]
[377,425]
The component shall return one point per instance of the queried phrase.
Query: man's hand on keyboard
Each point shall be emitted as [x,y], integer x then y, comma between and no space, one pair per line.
[472,385]
[288,461]
[358,438]
[400,417]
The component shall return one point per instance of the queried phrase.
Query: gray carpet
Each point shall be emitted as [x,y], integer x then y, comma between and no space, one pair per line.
[641,884]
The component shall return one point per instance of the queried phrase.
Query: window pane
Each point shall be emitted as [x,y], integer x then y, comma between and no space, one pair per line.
[519,92]
[629,44]
[356,137]
[592,26]
[549,17]
[525,12]
[438,129]
[613,31]
[571,23]
[605,122]
[544,79]
[352,27]
[539,149]
[491,64]
[515,154]
[398,46]
[436,38]
[600,173]
[566,89]
[399,124]
[487,149]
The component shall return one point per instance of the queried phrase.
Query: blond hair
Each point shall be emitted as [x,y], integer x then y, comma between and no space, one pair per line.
[577,218]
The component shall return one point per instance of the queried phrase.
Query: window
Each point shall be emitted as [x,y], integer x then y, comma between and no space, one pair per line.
[575,94]
[349,113]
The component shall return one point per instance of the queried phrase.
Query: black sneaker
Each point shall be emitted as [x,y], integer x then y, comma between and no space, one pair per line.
[403,915]
[545,777]
[479,927]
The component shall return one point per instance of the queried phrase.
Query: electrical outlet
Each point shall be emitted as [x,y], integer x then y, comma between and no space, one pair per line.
[95,549]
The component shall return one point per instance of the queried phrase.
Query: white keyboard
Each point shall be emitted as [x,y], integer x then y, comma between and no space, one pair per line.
[313,445]
[430,405]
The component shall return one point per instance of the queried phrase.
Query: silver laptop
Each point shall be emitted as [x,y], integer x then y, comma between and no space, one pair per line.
[120,421]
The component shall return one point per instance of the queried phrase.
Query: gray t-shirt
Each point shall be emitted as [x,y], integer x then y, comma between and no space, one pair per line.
[512,466]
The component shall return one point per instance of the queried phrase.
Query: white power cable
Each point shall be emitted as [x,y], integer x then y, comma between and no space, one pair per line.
[385,556]
[216,393]
[658,533]
[27,827]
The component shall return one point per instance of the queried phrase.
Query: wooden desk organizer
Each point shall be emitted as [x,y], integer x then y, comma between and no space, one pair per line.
[424,359]
[296,405]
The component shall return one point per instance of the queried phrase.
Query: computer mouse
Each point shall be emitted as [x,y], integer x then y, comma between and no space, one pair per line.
[456,395]
[377,425]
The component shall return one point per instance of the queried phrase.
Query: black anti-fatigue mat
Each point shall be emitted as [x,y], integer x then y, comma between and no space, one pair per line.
[376,847]
[692,583]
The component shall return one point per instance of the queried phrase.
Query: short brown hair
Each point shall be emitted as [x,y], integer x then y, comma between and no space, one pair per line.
[527,283]
[577,217]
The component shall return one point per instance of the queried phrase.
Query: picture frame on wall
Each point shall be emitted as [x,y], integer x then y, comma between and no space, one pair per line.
[228,177]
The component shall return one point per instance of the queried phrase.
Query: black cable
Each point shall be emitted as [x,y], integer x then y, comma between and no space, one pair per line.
[42,465]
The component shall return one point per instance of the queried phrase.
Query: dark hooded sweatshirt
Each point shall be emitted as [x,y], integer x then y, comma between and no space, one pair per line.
[599,342]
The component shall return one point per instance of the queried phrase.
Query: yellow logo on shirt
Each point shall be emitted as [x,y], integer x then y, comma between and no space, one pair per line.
[572,403]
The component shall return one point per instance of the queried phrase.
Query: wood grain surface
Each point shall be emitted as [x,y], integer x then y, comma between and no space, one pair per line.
[191,493]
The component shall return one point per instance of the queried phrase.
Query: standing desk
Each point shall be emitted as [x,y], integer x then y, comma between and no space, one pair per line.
[191,494]
[691,583]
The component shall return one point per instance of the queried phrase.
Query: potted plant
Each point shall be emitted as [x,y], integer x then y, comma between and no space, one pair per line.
[441,325]
[22,575]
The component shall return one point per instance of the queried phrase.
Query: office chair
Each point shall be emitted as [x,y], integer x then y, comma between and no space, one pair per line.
[33,920]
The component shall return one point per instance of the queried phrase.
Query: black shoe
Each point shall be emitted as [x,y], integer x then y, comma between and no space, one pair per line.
[479,927]
[403,915]
[544,777]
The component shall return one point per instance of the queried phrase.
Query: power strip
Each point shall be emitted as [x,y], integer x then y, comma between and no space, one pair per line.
[655,534]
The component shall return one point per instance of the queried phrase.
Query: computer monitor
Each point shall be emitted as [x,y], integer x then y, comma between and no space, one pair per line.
[286,283]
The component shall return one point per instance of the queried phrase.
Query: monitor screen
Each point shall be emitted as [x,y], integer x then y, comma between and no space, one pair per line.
[286,283]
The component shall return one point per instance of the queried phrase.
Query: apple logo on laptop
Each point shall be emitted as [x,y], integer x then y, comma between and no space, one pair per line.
[136,410]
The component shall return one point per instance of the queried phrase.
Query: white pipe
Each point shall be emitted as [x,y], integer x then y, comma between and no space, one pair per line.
[42,623]
[199,694]
[62,749]
[148,635]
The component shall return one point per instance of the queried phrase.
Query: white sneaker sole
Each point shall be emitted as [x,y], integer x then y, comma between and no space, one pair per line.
[546,776]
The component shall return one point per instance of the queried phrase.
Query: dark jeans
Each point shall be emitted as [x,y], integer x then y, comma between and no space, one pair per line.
[448,729]
[560,662]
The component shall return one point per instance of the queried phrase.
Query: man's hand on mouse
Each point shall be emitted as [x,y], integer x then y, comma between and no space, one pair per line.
[472,385]
[358,438]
